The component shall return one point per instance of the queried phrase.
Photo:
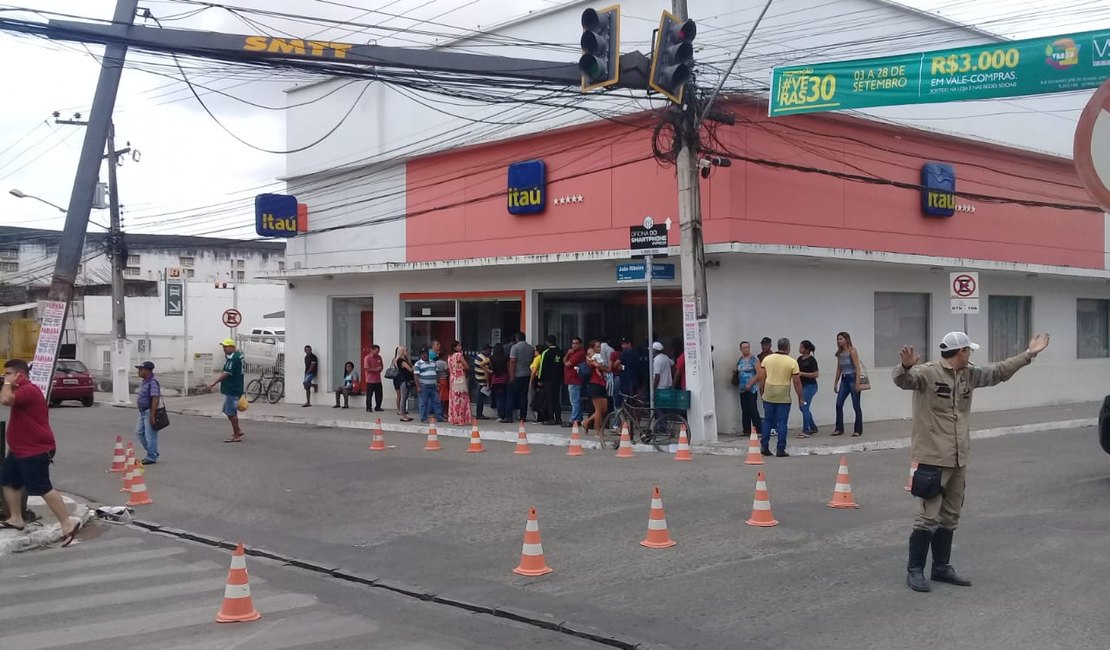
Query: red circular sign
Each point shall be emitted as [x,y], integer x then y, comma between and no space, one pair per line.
[232,318]
[1091,141]
[963,286]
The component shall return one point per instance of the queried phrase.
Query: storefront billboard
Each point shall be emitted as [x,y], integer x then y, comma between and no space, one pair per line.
[527,187]
[1005,69]
[275,215]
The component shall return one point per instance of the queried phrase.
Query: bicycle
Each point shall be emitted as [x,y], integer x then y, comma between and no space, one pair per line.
[656,427]
[273,385]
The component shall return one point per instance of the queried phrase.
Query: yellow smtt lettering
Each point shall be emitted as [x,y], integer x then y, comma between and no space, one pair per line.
[279,45]
[255,44]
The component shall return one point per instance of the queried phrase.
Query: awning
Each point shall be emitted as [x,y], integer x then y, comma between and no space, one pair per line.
[11,309]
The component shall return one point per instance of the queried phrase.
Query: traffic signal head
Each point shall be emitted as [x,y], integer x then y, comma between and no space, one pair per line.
[672,60]
[600,61]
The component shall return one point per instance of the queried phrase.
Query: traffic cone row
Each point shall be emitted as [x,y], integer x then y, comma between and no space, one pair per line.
[119,459]
[238,607]
[128,469]
[683,450]
[625,449]
[139,495]
[433,437]
[377,442]
[575,448]
[842,493]
[476,446]
[755,450]
[522,447]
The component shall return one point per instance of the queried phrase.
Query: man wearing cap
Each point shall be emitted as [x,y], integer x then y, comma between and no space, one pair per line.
[150,394]
[662,368]
[231,387]
[941,407]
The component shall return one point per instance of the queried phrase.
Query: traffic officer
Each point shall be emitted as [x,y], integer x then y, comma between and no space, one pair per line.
[941,407]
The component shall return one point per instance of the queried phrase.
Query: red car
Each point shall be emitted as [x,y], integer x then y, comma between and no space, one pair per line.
[72,381]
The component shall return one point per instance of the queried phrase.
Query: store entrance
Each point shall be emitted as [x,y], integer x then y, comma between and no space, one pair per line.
[611,315]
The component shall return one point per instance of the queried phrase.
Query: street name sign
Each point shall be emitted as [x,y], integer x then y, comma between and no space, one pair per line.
[637,272]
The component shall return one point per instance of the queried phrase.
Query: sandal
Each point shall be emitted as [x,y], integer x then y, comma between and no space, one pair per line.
[6,526]
[837,433]
[72,535]
[802,435]
[234,439]
[857,434]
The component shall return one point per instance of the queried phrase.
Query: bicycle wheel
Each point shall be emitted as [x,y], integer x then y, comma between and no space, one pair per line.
[611,429]
[254,390]
[665,430]
[276,390]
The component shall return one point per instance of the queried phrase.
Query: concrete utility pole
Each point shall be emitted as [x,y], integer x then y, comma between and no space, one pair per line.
[121,364]
[702,415]
[81,197]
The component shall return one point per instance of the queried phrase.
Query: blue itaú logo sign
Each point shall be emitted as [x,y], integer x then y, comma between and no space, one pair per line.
[527,187]
[938,184]
[275,215]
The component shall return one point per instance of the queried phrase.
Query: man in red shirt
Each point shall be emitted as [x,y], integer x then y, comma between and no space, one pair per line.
[372,366]
[30,448]
[573,358]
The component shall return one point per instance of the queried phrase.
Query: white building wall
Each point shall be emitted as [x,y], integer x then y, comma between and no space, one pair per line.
[752,296]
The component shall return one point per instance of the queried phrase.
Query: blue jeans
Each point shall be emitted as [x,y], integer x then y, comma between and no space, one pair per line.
[500,398]
[575,393]
[808,391]
[148,437]
[848,387]
[775,416]
[429,402]
[518,397]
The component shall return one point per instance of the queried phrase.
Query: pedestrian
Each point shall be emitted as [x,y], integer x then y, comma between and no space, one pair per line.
[551,380]
[573,357]
[427,389]
[628,379]
[595,389]
[535,393]
[459,402]
[662,368]
[311,365]
[941,409]
[747,378]
[31,447]
[403,381]
[442,373]
[482,377]
[777,372]
[347,385]
[230,380]
[764,348]
[679,365]
[499,381]
[372,366]
[150,396]
[521,355]
[809,372]
[846,383]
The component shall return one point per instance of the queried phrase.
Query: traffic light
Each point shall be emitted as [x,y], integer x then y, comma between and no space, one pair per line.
[672,60]
[601,47]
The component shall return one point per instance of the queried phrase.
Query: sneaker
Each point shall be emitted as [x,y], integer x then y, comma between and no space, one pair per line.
[782,454]
[765,451]
[147,461]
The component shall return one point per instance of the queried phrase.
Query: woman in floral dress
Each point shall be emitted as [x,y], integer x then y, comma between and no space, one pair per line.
[458,411]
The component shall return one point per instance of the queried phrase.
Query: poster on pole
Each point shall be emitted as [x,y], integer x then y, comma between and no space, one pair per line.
[50,334]
[690,339]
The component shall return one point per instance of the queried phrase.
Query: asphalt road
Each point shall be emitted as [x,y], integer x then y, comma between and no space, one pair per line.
[1032,537]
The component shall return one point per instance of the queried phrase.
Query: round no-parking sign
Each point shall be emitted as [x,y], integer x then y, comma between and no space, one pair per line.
[1092,146]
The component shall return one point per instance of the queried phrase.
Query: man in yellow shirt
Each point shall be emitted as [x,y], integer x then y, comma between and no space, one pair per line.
[776,374]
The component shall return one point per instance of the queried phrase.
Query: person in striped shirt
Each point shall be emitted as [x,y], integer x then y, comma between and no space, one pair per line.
[427,390]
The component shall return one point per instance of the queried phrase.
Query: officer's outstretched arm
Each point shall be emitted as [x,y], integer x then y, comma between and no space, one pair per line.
[907,374]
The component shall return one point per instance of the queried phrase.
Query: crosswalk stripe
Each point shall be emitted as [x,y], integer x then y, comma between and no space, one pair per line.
[280,632]
[78,635]
[98,562]
[26,586]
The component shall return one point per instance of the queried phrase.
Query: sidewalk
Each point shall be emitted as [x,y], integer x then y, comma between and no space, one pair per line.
[46,530]
[878,435]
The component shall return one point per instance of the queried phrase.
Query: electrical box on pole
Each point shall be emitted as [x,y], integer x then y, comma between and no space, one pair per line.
[601,47]
[672,56]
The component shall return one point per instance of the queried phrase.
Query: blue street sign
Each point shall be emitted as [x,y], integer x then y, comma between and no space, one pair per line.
[637,272]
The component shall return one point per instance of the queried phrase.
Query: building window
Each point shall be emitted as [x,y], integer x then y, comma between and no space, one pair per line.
[281,267]
[1092,328]
[9,267]
[132,271]
[240,264]
[9,253]
[240,276]
[1010,320]
[187,262]
[132,260]
[900,319]
[190,273]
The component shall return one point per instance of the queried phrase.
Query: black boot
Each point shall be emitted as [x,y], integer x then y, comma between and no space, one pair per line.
[919,553]
[942,553]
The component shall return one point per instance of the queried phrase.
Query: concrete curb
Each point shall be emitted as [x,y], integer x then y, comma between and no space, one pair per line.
[38,536]
[557,440]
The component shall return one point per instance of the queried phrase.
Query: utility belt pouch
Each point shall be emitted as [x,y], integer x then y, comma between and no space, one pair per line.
[926,481]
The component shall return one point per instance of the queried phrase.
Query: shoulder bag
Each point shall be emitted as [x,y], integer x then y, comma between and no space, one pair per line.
[161,417]
[863,382]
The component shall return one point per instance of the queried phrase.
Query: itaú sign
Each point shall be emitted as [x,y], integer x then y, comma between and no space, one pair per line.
[527,193]
[938,187]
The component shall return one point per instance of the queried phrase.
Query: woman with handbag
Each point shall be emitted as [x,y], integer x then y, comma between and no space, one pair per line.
[850,381]
[458,410]
[400,371]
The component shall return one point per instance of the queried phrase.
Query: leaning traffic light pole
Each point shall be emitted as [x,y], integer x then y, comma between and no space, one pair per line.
[601,48]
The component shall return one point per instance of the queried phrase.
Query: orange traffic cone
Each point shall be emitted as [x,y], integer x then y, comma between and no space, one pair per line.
[657,534]
[522,441]
[377,442]
[238,606]
[755,455]
[139,495]
[475,440]
[761,506]
[842,494]
[433,437]
[909,481]
[128,469]
[625,448]
[683,452]
[118,457]
[575,448]
[531,555]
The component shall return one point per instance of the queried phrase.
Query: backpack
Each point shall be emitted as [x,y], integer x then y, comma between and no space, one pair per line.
[584,371]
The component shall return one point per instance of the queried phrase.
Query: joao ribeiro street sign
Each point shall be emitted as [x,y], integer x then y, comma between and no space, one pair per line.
[1005,69]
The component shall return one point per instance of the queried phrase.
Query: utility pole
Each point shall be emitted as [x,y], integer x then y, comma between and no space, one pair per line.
[121,365]
[699,368]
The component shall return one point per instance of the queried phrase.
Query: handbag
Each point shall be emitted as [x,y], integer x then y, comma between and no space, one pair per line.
[391,372]
[161,418]
[863,382]
[458,384]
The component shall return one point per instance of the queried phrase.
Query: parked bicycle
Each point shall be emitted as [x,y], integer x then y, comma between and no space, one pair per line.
[272,385]
[657,427]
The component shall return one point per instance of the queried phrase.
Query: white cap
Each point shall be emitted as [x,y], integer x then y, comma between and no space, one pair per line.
[957,341]
[657,346]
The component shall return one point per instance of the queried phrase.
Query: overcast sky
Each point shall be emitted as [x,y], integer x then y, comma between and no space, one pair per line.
[188,161]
